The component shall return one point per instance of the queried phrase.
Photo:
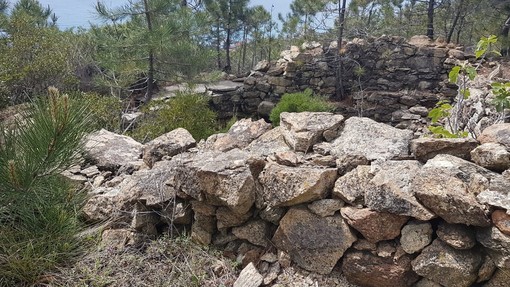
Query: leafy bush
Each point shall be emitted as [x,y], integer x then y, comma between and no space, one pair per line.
[34,58]
[38,207]
[105,111]
[186,110]
[299,102]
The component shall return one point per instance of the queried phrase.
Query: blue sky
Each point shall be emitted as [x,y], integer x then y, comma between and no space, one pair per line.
[73,13]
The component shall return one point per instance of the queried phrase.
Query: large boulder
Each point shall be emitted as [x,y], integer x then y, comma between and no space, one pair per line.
[314,243]
[424,149]
[110,151]
[448,266]
[303,130]
[393,192]
[288,186]
[448,186]
[363,137]
[169,144]
[241,134]
[492,156]
[498,133]
[374,226]
[217,178]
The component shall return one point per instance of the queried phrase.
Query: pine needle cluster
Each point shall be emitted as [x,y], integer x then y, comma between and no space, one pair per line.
[38,207]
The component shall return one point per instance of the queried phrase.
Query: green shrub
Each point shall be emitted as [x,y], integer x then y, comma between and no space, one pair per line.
[105,111]
[186,110]
[38,207]
[300,102]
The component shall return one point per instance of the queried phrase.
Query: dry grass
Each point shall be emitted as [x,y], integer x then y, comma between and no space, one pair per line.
[163,262]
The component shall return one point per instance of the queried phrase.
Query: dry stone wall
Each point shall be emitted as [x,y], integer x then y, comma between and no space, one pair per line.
[400,79]
[321,192]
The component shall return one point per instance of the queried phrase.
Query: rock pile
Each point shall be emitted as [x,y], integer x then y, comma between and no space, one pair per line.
[319,192]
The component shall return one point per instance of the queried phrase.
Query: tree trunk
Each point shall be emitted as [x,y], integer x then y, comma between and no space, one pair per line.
[430,16]
[228,66]
[245,36]
[455,21]
[255,41]
[150,72]
[339,71]
[504,35]
[218,44]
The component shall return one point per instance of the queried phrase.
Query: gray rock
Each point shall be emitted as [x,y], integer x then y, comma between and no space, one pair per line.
[448,266]
[110,151]
[416,235]
[264,109]
[227,218]
[314,243]
[272,214]
[303,130]
[448,185]
[325,207]
[457,236]
[169,144]
[249,277]
[497,243]
[492,156]
[393,192]
[500,278]
[371,140]
[269,143]
[426,148]
[288,186]
[262,66]
[424,282]
[352,187]
[221,179]
[486,270]
[498,133]
[241,134]
[255,232]
[374,226]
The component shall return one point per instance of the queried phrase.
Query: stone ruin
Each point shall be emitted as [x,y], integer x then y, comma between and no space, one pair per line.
[322,192]
[388,79]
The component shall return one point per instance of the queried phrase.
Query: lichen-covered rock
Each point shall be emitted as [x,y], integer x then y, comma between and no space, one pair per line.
[458,236]
[269,143]
[416,235]
[393,192]
[498,133]
[287,186]
[169,144]
[220,179]
[492,156]
[448,186]
[303,130]
[227,218]
[108,150]
[448,266]
[314,243]
[424,149]
[374,226]
[352,187]
[249,277]
[366,269]
[326,207]
[241,134]
[371,140]
[256,232]
[497,244]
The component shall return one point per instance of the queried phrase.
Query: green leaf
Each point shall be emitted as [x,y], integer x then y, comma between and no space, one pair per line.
[471,71]
[465,92]
[454,74]
[442,132]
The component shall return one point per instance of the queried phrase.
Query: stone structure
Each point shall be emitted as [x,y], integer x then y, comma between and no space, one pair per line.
[399,79]
[379,213]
